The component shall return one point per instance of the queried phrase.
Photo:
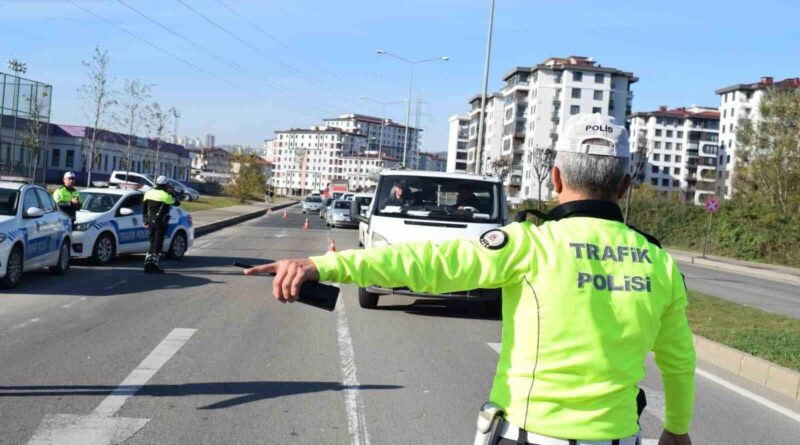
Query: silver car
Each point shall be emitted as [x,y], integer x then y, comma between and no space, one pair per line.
[312,204]
[339,214]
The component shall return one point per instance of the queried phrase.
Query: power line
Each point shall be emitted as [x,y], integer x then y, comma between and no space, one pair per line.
[181,59]
[211,53]
[259,51]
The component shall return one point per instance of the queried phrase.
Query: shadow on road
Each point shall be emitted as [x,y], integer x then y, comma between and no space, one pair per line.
[243,392]
[474,310]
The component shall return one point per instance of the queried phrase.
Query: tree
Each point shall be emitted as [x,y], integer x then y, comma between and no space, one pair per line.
[248,177]
[156,122]
[39,104]
[130,116]
[541,161]
[98,100]
[639,160]
[769,152]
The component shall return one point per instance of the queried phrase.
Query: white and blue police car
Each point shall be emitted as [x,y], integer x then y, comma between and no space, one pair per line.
[110,223]
[34,233]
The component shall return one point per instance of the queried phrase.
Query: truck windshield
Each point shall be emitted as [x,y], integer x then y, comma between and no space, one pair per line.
[438,198]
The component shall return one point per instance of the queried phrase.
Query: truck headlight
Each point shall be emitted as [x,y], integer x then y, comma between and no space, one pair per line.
[378,240]
[82,227]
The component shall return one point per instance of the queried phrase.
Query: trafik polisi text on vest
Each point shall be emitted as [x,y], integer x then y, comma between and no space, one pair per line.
[616,254]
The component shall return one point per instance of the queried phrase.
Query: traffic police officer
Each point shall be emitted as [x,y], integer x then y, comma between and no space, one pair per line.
[67,197]
[157,204]
[585,298]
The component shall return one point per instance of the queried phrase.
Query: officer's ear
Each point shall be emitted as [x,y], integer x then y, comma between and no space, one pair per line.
[558,183]
[626,183]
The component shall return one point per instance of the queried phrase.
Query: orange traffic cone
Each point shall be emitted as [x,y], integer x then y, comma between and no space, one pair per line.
[285,214]
[332,246]
[305,225]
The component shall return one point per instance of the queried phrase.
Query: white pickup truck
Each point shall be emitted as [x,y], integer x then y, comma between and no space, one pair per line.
[432,206]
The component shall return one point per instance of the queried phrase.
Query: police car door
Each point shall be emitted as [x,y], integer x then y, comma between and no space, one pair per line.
[53,222]
[36,231]
[133,236]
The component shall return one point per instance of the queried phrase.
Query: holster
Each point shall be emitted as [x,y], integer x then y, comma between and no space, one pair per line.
[488,425]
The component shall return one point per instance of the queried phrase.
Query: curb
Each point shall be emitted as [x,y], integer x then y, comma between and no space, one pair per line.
[213,227]
[751,271]
[767,374]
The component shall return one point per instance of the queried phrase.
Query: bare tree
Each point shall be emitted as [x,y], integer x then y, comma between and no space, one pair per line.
[156,123]
[39,104]
[98,99]
[541,161]
[130,117]
[639,160]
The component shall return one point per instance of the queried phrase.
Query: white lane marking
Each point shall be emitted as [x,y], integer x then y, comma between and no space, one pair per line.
[750,395]
[73,302]
[206,245]
[356,423]
[116,284]
[22,325]
[495,346]
[146,369]
[649,442]
[281,234]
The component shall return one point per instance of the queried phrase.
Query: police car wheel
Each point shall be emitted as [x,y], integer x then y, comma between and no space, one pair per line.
[104,249]
[177,248]
[63,260]
[367,299]
[13,269]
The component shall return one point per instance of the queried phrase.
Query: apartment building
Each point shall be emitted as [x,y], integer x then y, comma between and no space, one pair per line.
[457,140]
[382,135]
[740,101]
[492,131]
[682,147]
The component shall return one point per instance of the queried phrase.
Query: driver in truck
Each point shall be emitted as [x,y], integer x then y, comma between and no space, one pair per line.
[466,198]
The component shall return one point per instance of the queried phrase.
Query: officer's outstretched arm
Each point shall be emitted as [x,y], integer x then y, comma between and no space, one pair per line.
[675,357]
[499,258]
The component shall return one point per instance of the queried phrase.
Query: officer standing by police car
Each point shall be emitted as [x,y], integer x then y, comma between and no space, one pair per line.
[67,196]
[585,298]
[158,202]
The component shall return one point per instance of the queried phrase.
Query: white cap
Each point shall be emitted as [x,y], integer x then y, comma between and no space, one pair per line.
[69,175]
[594,134]
[161,180]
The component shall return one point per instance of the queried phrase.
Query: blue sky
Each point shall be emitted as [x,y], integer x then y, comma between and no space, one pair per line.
[681,51]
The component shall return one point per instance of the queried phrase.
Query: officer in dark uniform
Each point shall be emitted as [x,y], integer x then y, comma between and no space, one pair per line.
[157,204]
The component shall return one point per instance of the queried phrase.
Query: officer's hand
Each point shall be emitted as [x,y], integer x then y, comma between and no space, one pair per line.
[75,200]
[289,275]
[668,438]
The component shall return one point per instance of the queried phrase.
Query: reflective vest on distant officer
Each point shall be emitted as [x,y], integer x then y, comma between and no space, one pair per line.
[64,196]
[585,298]
[157,204]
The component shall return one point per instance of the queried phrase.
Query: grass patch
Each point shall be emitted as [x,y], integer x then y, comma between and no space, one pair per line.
[772,337]
[209,202]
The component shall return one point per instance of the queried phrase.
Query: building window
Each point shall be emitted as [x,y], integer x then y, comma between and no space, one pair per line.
[597,110]
[668,158]
[665,170]
[669,133]
[668,145]
[654,169]
[656,144]
[665,182]
[70,159]
[676,183]
[577,76]
[680,135]
[56,158]
[676,170]
[656,157]
[559,77]
[654,181]
[658,132]
[599,77]
[575,109]
[576,93]
[598,95]
[678,159]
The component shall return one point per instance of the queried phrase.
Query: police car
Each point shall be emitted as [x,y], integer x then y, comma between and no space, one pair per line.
[34,233]
[110,223]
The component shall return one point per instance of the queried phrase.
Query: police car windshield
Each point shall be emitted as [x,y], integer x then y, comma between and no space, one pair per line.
[98,202]
[8,202]
[438,198]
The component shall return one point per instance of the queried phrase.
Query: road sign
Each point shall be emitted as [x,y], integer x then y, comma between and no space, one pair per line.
[712,204]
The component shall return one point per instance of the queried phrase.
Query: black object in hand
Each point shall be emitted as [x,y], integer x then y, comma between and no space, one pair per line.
[319,295]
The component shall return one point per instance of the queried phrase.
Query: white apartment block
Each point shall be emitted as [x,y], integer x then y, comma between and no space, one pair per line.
[560,88]
[682,146]
[457,140]
[306,160]
[492,130]
[363,169]
[515,115]
[738,102]
[382,134]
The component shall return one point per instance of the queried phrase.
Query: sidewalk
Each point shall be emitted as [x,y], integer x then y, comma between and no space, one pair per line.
[760,270]
[206,221]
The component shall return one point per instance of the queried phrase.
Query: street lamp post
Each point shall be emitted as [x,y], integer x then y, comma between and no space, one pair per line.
[411,64]
[482,115]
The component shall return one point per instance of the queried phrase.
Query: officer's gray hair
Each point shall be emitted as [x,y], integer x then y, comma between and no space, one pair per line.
[600,177]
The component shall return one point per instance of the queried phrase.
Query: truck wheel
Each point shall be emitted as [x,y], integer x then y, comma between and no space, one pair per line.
[63,260]
[366,299]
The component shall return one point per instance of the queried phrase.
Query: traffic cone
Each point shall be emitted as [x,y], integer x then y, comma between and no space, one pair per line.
[332,246]
[285,214]
[305,224]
